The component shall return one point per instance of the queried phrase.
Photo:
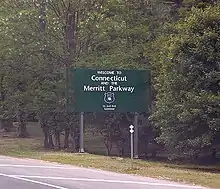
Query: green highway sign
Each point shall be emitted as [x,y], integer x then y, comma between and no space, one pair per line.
[109,90]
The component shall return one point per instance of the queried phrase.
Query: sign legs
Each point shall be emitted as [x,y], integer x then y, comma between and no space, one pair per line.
[136,135]
[81,150]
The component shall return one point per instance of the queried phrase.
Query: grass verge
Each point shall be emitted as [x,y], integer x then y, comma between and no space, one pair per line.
[31,148]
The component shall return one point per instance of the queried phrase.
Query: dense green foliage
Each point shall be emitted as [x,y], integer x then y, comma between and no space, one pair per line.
[187,82]
[179,40]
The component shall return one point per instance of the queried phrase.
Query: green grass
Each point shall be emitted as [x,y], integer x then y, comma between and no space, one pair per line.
[32,148]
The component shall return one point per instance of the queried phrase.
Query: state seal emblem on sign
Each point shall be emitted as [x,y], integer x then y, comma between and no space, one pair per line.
[109,97]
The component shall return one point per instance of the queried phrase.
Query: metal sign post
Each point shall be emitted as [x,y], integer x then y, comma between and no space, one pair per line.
[132,141]
[81,150]
[136,136]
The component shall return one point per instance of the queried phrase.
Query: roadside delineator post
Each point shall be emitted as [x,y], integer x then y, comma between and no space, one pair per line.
[132,141]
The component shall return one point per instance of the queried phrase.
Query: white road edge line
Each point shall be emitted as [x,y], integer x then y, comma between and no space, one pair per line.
[37,166]
[33,181]
[109,181]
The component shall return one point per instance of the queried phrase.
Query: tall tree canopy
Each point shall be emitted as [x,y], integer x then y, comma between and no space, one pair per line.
[187,82]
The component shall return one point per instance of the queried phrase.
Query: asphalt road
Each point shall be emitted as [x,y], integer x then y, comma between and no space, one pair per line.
[33,174]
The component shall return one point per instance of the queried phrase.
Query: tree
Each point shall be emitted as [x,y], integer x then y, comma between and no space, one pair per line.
[187,83]
[15,59]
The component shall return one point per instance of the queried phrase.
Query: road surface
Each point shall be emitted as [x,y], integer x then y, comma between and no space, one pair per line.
[34,174]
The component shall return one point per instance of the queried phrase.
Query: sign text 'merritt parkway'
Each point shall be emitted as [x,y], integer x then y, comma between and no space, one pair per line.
[110,88]
[112,82]
[115,90]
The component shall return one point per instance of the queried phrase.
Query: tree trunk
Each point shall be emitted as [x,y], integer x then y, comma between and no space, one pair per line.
[71,31]
[46,137]
[76,141]
[121,147]
[21,117]
[22,130]
[57,140]
[66,140]
[108,145]
[51,145]
[72,140]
